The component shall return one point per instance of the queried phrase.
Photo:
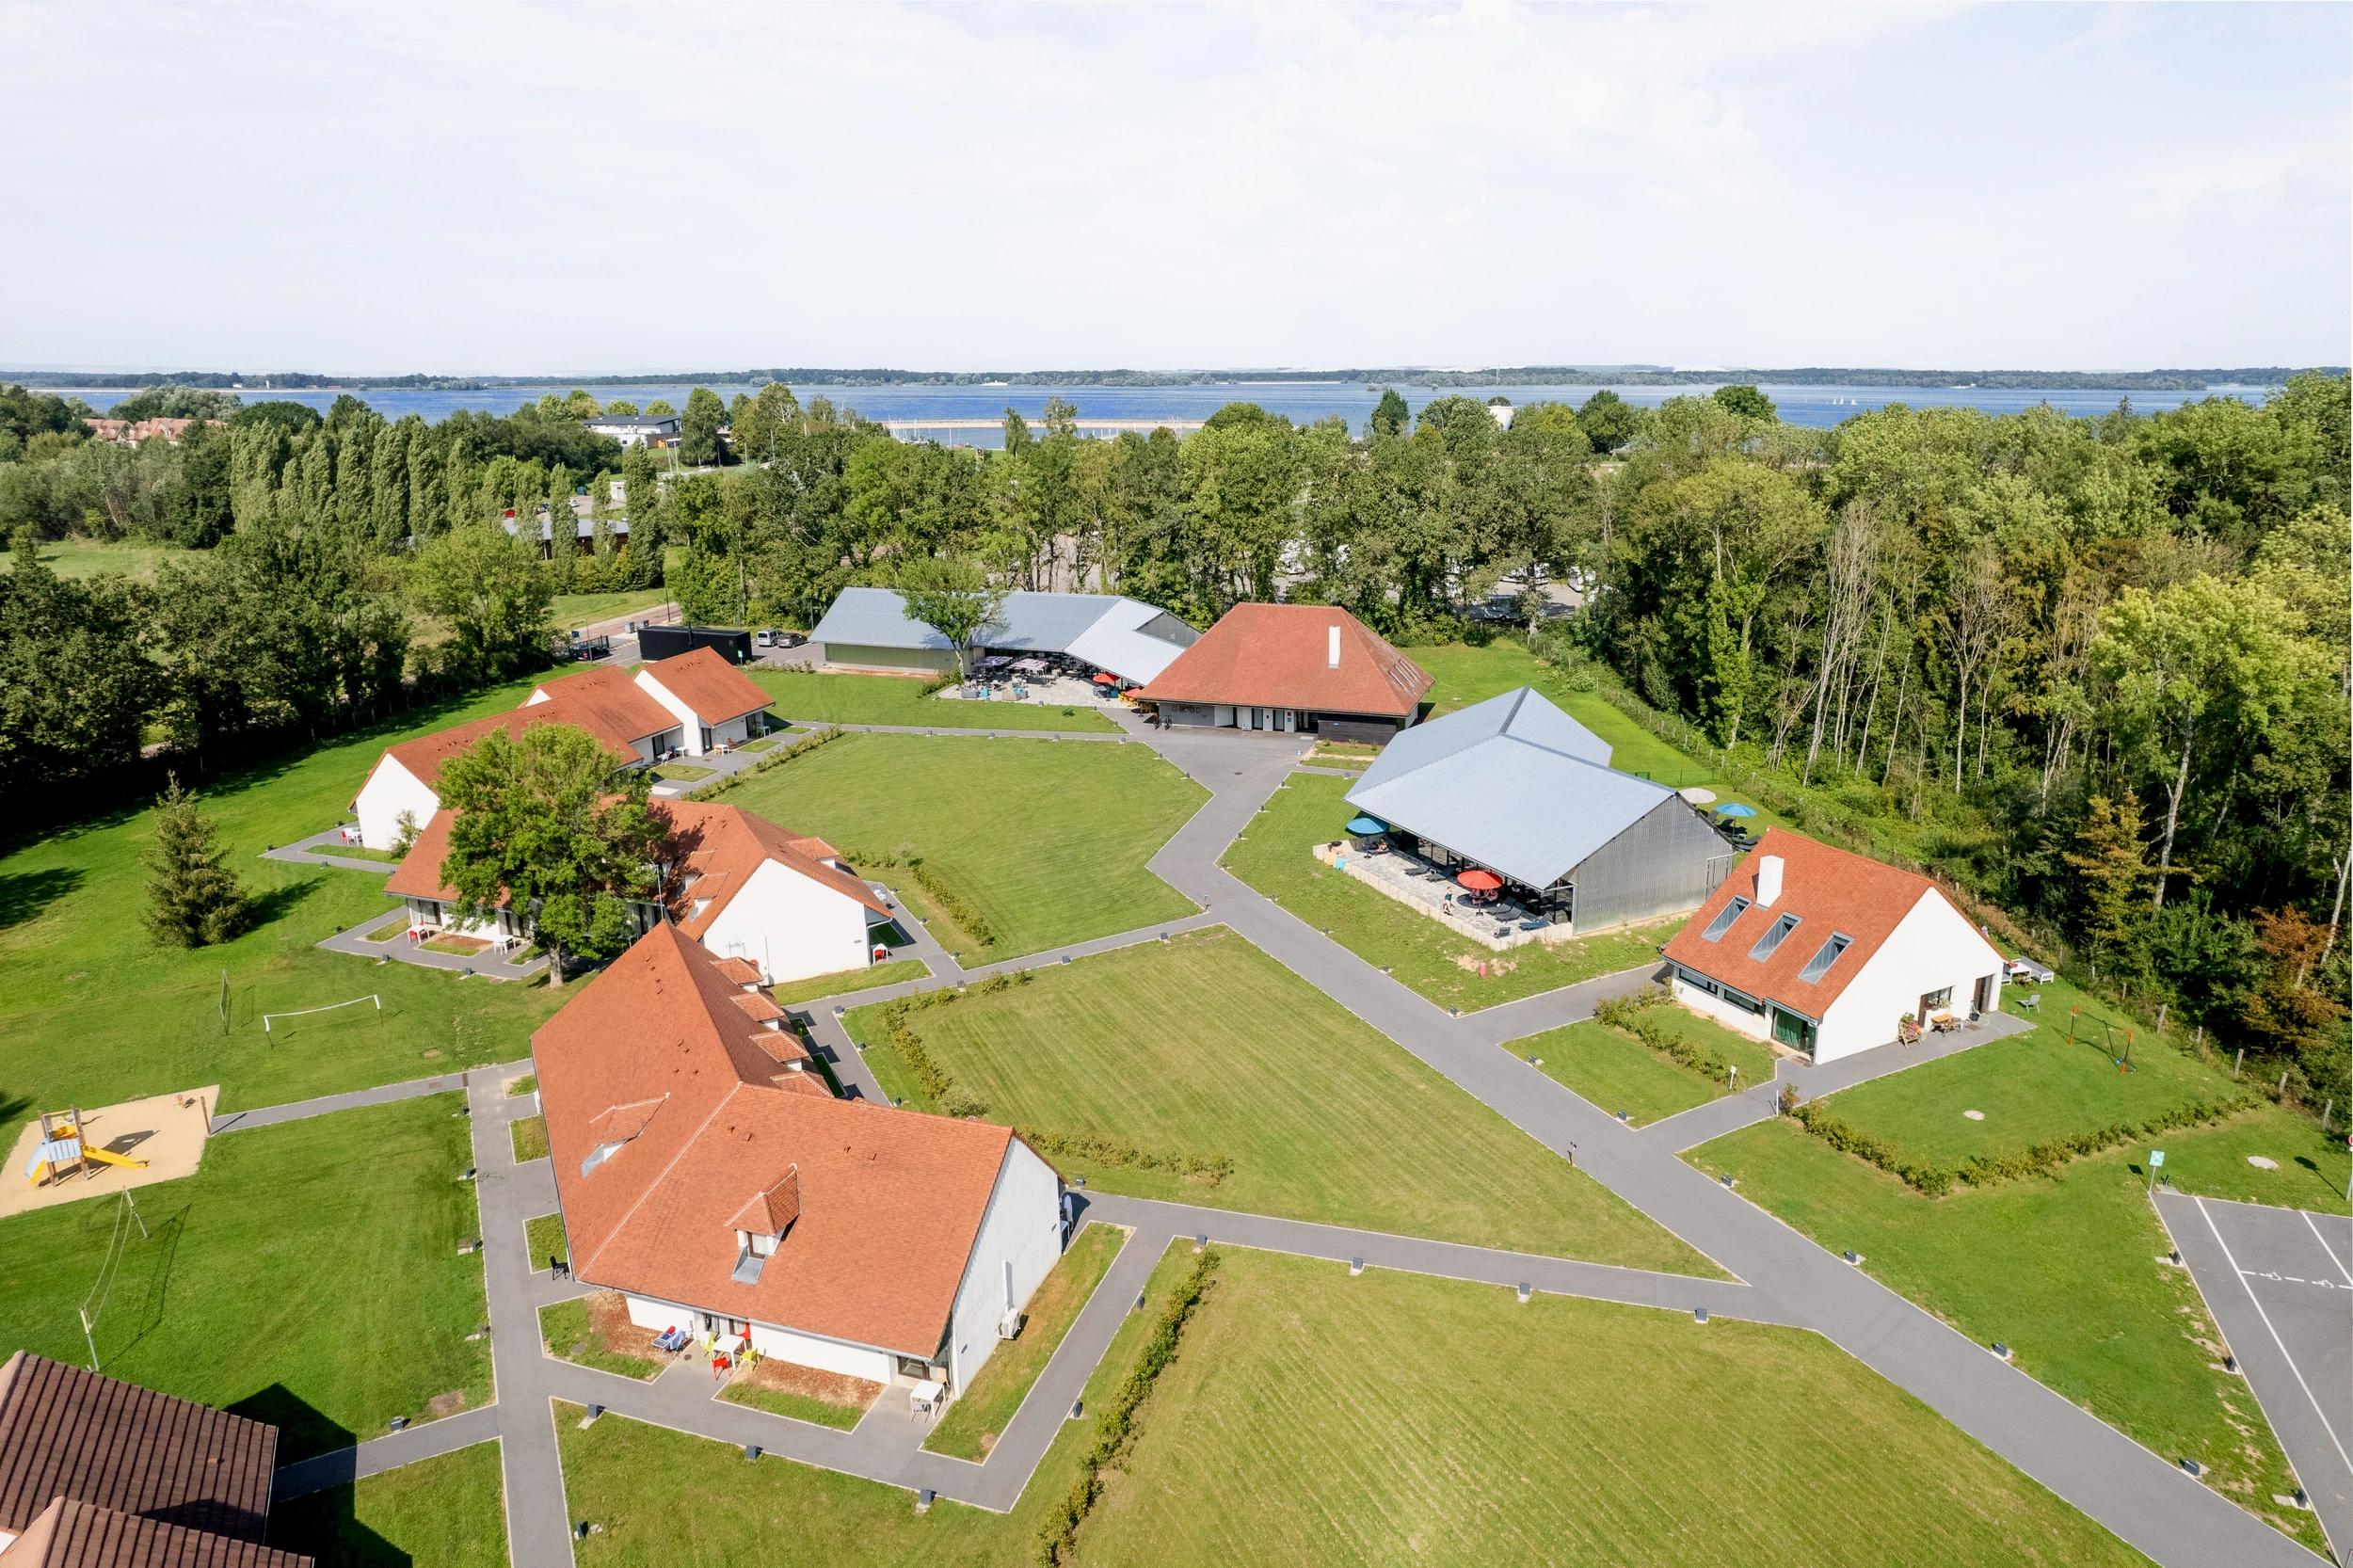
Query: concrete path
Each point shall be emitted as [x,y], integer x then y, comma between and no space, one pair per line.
[319,849]
[2280,1283]
[415,1088]
[388,1452]
[489,964]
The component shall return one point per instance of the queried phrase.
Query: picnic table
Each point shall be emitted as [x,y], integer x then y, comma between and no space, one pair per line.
[1942,1022]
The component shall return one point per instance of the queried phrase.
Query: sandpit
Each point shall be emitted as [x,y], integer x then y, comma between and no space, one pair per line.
[167,1131]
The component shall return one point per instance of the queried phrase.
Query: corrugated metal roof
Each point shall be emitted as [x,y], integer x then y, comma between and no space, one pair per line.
[1512,783]
[1122,635]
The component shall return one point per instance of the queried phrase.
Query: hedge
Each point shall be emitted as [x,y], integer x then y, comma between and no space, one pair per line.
[801,747]
[1630,1014]
[936,888]
[1980,1170]
[1115,1428]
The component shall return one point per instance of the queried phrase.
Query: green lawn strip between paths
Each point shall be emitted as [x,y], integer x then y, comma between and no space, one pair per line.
[1205,1047]
[2066,1270]
[92,1011]
[543,1238]
[895,971]
[565,1331]
[569,611]
[683,773]
[666,1499]
[447,1511]
[2309,1168]
[1605,1068]
[518,1087]
[979,1416]
[1274,855]
[1046,843]
[807,697]
[306,1275]
[799,1407]
[530,1135]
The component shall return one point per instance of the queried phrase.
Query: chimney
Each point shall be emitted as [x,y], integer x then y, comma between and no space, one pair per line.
[1768,881]
[1332,648]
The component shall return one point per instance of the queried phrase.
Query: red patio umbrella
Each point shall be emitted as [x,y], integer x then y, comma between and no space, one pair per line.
[1104,678]
[1479,881]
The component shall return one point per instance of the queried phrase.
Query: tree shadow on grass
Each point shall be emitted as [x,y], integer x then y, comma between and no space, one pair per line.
[323,1522]
[25,894]
[272,905]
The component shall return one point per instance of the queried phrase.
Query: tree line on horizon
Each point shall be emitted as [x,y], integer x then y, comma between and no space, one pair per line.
[2095,669]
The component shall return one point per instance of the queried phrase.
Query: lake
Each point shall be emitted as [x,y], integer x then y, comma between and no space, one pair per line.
[1304,402]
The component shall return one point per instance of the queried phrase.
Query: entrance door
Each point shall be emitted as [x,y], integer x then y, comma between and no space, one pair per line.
[1981,995]
[1792,1030]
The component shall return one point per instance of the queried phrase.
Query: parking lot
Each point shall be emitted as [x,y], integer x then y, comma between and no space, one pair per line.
[2279,1281]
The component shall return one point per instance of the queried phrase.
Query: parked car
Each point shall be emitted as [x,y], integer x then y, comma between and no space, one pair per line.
[767,639]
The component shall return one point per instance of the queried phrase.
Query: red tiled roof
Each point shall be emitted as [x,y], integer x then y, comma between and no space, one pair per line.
[892,1201]
[1279,656]
[741,971]
[723,845]
[1830,890]
[711,688]
[758,1006]
[419,874]
[772,1213]
[70,1534]
[602,701]
[66,1433]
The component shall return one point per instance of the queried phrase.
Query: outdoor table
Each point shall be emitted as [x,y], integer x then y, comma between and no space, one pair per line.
[925,1397]
[1943,1021]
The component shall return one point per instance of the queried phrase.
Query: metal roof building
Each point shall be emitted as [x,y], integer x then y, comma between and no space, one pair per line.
[1517,786]
[869,628]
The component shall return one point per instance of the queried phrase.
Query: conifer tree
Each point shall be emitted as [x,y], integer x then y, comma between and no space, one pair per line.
[194,901]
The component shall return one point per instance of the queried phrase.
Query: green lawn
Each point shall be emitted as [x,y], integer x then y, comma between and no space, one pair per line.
[566,1332]
[894,971]
[543,1238]
[2065,1269]
[1615,1073]
[2028,1089]
[798,1407]
[577,610]
[1274,855]
[518,1087]
[93,1011]
[2312,1166]
[448,1512]
[88,557]
[1561,1431]
[669,1500]
[1205,1047]
[306,1275]
[1047,841]
[977,1416]
[811,698]
[683,773]
[530,1134]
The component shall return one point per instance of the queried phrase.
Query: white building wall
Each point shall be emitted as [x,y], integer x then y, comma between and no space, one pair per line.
[1751,1024]
[1932,947]
[802,1349]
[790,926]
[1019,1240]
[690,730]
[391,789]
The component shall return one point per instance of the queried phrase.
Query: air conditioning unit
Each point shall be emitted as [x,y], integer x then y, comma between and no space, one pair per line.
[1009,1326]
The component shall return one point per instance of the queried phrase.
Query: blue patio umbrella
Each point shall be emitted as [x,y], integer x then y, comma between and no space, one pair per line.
[1736,809]
[1366,825]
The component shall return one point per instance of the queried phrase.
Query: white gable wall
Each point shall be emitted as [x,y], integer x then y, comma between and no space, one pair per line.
[791,925]
[1932,947]
[1019,1240]
[802,1349]
[391,789]
[690,726]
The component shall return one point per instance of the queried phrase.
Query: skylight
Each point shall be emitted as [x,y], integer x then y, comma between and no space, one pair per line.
[1818,965]
[1774,936]
[1724,917]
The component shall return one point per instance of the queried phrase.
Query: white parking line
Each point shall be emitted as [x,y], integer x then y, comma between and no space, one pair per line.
[2327,1248]
[2257,1302]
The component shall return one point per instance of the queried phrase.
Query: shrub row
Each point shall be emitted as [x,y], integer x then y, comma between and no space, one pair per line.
[801,747]
[1207,1169]
[1980,1170]
[951,1098]
[1631,1015]
[1114,1429]
[936,888]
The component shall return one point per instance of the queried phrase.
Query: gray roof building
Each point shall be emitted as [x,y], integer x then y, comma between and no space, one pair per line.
[1517,786]
[1132,640]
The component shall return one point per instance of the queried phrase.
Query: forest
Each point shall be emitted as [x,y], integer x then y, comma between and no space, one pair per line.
[2093,670]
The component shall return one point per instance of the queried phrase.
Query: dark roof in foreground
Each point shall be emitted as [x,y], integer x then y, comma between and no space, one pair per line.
[81,1535]
[65,1432]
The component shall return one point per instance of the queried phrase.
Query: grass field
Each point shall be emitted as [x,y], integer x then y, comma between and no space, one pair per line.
[518,1087]
[894,971]
[575,610]
[1615,1073]
[543,1238]
[683,773]
[1560,1432]
[306,1275]
[670,1500]
[1206,1047]
[88,557]
[566,1332]
[798,1407]
[1046,841]
[2312,1166]
[807,697]
[530,1135]
[1274,857]
[2064,1270]
[448,1512]
[92,1011]
[976,1418]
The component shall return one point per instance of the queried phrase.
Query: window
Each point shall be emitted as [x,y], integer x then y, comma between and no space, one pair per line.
[1697,981]
[1774,935]
[1937,1001]
[1724,917]
[1746,1004]
[1818,965]
[598,1156]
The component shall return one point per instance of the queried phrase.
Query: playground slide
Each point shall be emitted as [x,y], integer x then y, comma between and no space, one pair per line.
[108,1156]
[66,1150]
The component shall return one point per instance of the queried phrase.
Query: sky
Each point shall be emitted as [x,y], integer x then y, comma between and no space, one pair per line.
[565,189]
